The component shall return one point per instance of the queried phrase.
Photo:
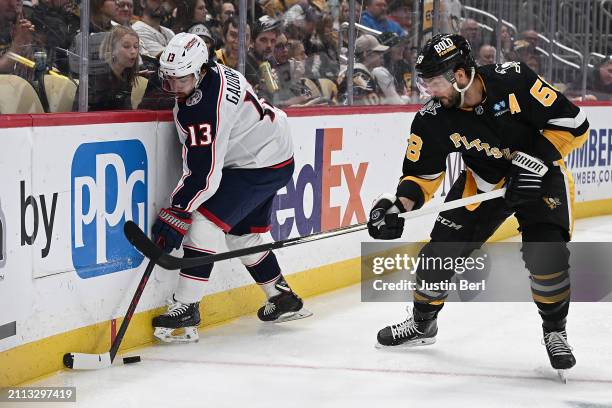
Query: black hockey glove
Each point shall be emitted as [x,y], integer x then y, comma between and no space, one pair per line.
[384,222]
[170,228]
[524,179]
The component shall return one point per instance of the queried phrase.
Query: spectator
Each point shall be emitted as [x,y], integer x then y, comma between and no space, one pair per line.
[598,85]
[124,13]
[214,7]
[531,36]
[290,57]
[344,11]
[265,34]
[401,69]
[523,50]
[188,13]
[102,12]
[375,17]
[470,30]
[368,55]
[111,89]
[486,55]
[533,62]
[15,36]
[228,10]
[324,60]
[400,12]
[204,33]
[228,55]
[153,36]
[297,52]
[506,43]
[56,25]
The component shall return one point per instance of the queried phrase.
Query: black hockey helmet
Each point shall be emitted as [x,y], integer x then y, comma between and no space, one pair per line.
[444,53]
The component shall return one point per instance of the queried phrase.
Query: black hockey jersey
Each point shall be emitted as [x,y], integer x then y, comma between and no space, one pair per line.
[223,124]
[519,112]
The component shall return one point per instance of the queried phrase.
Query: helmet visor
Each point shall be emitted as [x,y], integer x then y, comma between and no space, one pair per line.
[177,85]
[435,86]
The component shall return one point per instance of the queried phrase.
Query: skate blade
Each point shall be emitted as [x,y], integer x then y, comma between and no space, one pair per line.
[407,345]
[562,375]
[167,335]
[287,317]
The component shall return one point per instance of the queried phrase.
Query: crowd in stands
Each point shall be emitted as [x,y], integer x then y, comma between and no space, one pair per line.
[297,49]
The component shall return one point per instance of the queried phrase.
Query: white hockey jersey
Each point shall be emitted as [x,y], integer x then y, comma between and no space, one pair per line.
[224,125]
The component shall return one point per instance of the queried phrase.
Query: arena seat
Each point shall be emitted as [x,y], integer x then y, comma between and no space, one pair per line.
[18,96]
[138,91]
[60,93]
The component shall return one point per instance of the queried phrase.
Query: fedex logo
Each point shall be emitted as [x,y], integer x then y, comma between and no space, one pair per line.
[321,180]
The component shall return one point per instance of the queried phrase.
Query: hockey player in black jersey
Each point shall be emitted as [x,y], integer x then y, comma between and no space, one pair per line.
[237,152]
[512,128]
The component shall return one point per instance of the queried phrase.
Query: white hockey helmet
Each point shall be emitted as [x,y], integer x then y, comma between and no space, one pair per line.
[185,54]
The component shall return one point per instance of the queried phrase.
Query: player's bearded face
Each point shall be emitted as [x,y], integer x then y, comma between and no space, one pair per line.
[182,87]
[440,89]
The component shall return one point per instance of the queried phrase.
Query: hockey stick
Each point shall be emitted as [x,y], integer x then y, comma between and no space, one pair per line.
[83,361]
[140,240]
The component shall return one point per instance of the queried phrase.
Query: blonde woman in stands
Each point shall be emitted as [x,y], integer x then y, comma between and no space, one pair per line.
[111,88]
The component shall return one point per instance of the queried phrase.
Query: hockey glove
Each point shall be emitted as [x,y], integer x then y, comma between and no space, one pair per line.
[524,179]
[170,228]
[384,222]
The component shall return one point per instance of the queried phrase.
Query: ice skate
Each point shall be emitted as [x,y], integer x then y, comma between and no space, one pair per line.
[419,329]
[559,351]
[283,307]
[179,323]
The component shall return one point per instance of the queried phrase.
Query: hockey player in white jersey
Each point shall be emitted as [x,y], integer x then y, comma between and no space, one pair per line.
[237,152]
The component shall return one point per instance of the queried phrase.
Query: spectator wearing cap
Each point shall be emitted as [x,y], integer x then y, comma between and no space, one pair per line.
[375,17]
[370,52]
[188,13]
[204,33]
[265,34]
[153,36]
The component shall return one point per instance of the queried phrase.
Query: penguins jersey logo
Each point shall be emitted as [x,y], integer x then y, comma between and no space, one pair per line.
[430,107]
[503,68]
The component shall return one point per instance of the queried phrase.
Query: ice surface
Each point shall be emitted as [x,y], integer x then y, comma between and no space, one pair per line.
[487,355]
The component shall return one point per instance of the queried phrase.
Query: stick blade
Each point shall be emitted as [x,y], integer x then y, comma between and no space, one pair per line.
[83,361]
[141,242]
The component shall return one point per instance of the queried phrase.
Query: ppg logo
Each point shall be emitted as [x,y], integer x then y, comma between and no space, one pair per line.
[109,187]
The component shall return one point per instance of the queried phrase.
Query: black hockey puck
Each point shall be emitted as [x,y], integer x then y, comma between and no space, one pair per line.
[131,360]
[68,360]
